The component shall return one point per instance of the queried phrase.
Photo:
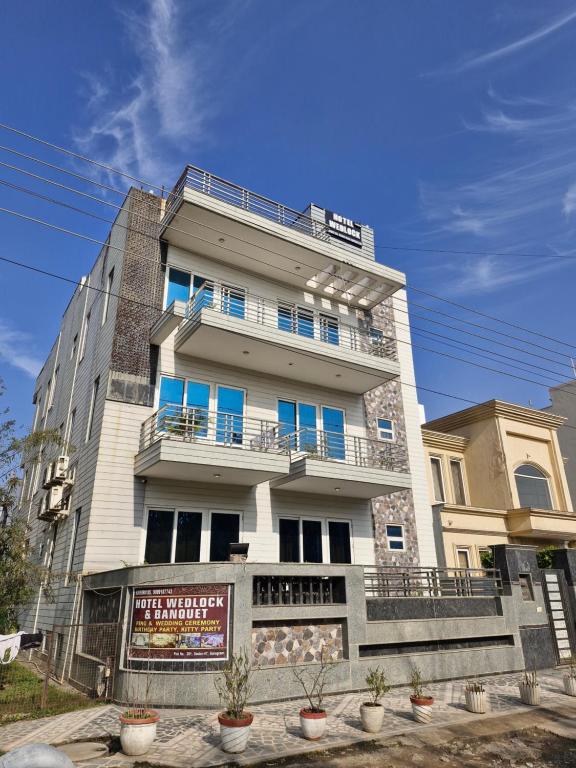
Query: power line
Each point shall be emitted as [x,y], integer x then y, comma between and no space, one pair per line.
[110,169]
[450,251]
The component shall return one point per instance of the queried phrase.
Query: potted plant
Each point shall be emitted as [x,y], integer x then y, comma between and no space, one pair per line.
[138,722]
[530,689]
[313,682]
[234,689]
[421,703]
[475,694]
[570,678]
[372,712]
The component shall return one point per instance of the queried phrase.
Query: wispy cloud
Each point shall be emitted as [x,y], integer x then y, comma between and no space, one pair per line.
[569,203]
[15,350]
[511,48]
[143,125]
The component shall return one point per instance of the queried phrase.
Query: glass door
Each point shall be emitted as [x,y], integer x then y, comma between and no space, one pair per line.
[198,404]
[333,425]
[170,405]
[230,416]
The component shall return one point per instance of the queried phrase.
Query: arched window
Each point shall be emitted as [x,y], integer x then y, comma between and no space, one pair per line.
[533,489]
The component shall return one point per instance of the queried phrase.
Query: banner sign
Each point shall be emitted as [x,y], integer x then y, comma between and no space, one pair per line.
[343,228]
[180,623]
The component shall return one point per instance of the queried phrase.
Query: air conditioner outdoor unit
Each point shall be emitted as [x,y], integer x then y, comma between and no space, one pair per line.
[48,475]
[60,468]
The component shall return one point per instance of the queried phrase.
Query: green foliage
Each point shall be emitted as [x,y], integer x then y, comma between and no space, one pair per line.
[234,685]
[416,682]
[544,556]
[313,679]
[377,685]
[487,558]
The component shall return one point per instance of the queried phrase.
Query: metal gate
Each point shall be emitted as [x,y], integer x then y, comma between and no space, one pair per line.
[559,613]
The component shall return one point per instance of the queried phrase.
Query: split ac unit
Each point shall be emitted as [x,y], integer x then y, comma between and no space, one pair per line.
[60,468]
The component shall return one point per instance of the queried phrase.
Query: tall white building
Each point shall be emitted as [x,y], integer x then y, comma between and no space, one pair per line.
[231,370]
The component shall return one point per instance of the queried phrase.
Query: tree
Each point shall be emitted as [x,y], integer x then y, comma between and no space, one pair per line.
[20,576]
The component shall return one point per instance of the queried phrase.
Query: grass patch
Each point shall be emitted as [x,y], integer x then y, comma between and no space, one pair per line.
[21,694]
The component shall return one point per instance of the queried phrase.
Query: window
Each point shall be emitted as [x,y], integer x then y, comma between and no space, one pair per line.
[74,347]
[173,537]
[109,285]
[48,403]
[198,404]
[233,301]
[178,286]
[436,466]
[289,540]
[385,429]
[74,540]
[230,417]
[526,586]
[329,329]
[52,388]
[224,530]
[92,409]
[395,537]
[457,481]
[71,425]
[339,540]
[463,557]
[312,541]
[333,424]
[296,320]
[85,336]
[52,548]
[532,486]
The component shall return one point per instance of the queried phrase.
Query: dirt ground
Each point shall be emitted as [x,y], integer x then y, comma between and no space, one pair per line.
[529,748]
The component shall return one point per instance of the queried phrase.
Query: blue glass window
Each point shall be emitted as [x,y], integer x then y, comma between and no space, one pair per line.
[287,418]
[203,292]
[395,537]
[171,397]
[178,286]
[385,429]
[198,403]
[233,301]
[305,322]
[333,422]
[286,318]
[329,329]
[230,418]
[307,426]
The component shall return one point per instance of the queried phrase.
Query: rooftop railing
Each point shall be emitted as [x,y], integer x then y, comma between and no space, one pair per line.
[230,193]
[400,581]
[345,449]
[290,318]
[198,425]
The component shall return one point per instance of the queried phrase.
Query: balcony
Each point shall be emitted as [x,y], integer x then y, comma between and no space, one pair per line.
[228,223]
[195,445]
[335,464]
[550,524]
[307,345]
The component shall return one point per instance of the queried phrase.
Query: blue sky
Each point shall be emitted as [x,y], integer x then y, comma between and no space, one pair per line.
[444,125]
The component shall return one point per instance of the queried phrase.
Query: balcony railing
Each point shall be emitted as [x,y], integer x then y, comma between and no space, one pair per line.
[290,318]
[298,590]
[345,449]
[197,425]
[399,581]
[208,184]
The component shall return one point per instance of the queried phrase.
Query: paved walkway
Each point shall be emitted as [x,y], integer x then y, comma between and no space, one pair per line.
[190,738]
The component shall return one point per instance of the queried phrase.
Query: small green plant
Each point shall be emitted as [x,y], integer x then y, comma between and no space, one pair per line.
[234,685]
[475,686]
[313,682]
[377,685]
[416,682]
[530,678]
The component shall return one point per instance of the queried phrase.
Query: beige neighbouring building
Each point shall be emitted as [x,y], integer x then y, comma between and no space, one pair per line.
[496,475]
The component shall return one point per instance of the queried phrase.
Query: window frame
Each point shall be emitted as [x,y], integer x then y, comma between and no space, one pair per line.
[165,304]
[435,458]
[460,462]
[390,539]
[84,339]
[545,478]
[324,534]
[107,294]
[92,409]
[380,429]
[463,548]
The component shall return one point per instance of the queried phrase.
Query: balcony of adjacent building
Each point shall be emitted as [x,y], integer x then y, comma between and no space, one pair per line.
[532,523]
[338,464]
[221,220]
[275,338]
[197,445]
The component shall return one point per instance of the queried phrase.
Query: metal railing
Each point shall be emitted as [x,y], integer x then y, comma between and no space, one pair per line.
[298,590]
[345,449]
[198,425]
[291,318]
[231,193]
[400,581]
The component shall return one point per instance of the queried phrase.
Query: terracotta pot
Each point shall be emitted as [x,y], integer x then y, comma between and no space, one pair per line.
[422,708]
[372,716]
[137,734]
[529,694]
[313,724]
[475,701]
[235,732]
[570,685]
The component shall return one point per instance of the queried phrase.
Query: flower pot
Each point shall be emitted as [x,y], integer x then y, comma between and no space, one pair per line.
[475,701]
[529,694]
[313,724]
[372,716]
[138,733]
[422,708]
[570,685]
[234,732]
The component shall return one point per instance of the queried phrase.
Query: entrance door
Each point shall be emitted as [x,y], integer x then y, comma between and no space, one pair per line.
[559,612]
